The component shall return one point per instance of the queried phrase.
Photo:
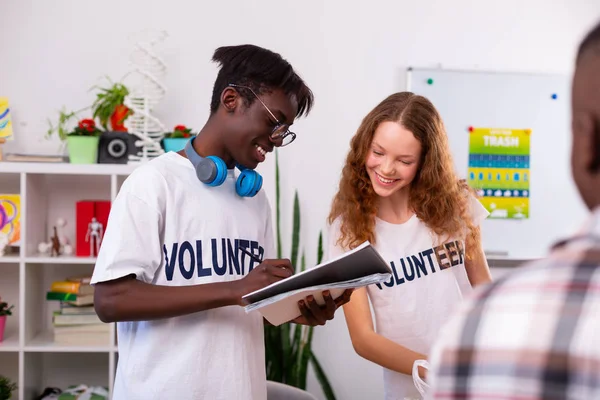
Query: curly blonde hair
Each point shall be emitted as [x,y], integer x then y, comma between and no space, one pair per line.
[437,196]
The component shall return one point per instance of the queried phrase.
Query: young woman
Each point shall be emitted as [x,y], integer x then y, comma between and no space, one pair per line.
[399,191]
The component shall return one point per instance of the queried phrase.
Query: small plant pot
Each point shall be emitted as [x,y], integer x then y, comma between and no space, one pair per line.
[83,149]
[2,326]
[174,144]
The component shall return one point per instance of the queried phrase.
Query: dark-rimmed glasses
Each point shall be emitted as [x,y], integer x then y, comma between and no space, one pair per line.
[281,132]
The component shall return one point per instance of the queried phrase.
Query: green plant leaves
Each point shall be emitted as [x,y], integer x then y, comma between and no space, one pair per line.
[288,347]
[5,309]
[295,230]
[107,101]
[7,387]
[322,378]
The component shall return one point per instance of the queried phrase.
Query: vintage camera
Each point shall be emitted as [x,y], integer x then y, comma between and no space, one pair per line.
[115,147]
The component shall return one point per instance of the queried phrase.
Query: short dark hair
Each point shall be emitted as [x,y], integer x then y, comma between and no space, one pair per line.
[260,69]
[591,41]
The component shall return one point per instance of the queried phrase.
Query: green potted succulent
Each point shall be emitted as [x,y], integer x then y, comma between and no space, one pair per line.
[7,387]
[176,140]
[5,311]
[83,141]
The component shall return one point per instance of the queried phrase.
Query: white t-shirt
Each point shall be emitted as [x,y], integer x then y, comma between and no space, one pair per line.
[428,280]
[168,228]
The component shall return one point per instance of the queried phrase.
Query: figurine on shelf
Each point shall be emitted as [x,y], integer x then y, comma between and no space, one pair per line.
[55,250]
[58,244]
[94,236]
[61,223]
[66,248]
[44,248]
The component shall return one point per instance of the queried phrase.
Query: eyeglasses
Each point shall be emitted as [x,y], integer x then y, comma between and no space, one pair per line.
[281,133]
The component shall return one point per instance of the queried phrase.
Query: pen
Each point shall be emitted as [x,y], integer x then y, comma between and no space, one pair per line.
[252,256]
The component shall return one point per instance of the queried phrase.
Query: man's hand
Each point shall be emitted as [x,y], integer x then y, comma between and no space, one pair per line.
[268,272]
[314,314]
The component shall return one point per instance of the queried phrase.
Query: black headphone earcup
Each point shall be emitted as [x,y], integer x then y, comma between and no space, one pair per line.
[212,171]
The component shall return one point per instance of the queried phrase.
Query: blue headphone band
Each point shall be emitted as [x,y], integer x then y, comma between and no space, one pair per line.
[212,171]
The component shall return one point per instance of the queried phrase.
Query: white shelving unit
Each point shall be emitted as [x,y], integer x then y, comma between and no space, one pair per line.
[28,355]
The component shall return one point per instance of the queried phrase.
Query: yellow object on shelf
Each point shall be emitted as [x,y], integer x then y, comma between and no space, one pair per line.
[6,131]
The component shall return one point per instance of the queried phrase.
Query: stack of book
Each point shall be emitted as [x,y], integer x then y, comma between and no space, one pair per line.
[76,321]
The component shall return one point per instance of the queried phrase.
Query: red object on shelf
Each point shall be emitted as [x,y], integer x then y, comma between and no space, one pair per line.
[85,210]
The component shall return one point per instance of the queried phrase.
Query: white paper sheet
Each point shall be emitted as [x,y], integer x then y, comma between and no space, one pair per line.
[284,307]
[278,302]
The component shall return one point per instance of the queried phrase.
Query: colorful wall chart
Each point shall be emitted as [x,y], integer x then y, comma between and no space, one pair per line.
[499,170]
[6,131]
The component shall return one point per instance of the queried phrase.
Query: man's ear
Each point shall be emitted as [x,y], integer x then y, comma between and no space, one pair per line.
[594,165]
[229,99]
[585,134]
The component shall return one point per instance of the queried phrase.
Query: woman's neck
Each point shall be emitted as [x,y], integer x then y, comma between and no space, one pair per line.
[396,208]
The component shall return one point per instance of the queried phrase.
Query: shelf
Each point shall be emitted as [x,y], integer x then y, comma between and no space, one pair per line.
[10,343]
[63,369]
[43,259]
[9,367]
[30,353]
[67,168]
[44,343]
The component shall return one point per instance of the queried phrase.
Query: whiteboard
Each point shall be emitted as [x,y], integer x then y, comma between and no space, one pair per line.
[539,102]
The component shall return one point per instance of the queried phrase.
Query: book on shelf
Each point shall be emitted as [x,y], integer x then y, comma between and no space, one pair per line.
[73,287]
[76,322]
[71,298]
[61,319]
[21,157]
[74,290]
[90,334]
[278,302]
[70,309]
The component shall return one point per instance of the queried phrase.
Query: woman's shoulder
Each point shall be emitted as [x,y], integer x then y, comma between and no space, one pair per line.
[333,235]
[476,210]
[335,222]
[333,227]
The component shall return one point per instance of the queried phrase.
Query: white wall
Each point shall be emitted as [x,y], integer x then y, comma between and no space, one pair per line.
[352,55]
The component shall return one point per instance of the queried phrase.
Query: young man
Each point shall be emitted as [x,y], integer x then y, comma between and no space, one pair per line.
[174,261]
[533,334]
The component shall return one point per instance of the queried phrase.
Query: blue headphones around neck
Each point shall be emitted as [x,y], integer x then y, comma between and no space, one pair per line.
[212,171]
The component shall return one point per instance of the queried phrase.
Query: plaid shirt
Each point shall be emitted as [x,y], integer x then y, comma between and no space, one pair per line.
[532,334]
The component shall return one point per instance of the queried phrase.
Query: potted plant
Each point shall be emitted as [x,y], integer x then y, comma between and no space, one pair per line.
[288,347]
[109,107]
[61,128]
[176,140]
[5,311]
[83,142]
[7,387]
